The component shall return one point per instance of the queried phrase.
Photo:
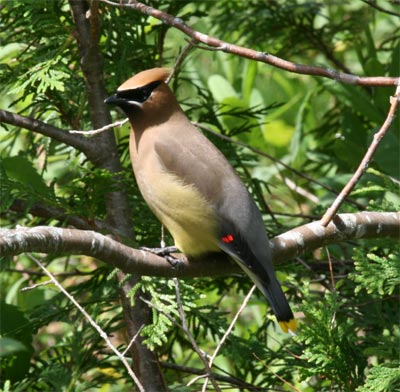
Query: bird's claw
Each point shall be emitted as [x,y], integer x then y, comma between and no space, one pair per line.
[160,251]
[175,262]
[165,252]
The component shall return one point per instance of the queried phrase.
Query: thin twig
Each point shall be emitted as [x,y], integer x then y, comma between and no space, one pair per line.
[132,340]
[291,386]
[192,340]
[91,321]
[102,129]
[48,211]
[228,331]
[273,159]
[184,328]
[379,8]
[333,209]
[298,215]
[264,57]
[75,272]
[162,240]
[36,285]
[180,60]
[242,385]
[330,269]
[301,191]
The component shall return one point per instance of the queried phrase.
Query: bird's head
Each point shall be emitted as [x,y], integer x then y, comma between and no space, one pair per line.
[144,92]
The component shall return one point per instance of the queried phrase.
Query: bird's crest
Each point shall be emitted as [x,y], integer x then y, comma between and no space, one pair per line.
[145,77]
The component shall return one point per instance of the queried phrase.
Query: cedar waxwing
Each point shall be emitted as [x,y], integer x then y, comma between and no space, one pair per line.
[191,187]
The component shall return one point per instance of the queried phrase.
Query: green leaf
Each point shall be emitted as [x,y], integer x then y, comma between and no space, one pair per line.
[22,170]
[387,155]
[298,143]
[248,77]
[357,99]
[351,144]
[220,88]
[278,133]
[9,51]
[15,343]
[9,346]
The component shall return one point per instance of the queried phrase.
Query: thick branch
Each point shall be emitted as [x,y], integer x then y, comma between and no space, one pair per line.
[77,141]
[102,150]
[252,54]
[145,362]
[104,154]
[343,227]
[86,24]
[364,225]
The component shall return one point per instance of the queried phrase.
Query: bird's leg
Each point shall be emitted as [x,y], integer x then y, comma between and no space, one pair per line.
[162,251]
[166,253]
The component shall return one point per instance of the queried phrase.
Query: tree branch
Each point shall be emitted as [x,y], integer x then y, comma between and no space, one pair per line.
[202,355]
[275,160]
[103,153]
[44,239]
[77,141]
[145,361]
[333,209]
[101,150]
[252,54]
[87,35]
[97,327]
[379,8]
[228,332]
[219,377]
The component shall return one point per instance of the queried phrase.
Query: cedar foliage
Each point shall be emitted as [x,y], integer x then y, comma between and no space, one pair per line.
[349,336]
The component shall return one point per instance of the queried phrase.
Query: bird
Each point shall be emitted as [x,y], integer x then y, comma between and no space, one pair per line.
[192,188]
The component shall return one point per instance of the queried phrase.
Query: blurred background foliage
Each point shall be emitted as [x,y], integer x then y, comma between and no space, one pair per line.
[319,128]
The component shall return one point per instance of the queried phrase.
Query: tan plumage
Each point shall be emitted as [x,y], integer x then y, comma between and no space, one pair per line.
[192,188]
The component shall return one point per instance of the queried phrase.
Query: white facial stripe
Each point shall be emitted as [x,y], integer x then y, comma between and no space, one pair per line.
[139,104]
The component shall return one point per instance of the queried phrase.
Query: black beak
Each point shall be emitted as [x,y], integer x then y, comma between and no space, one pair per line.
[114,100]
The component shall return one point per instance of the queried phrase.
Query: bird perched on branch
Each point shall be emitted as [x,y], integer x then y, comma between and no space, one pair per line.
[192,188]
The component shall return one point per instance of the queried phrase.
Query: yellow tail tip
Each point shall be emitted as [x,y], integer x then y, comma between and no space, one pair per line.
[287,326]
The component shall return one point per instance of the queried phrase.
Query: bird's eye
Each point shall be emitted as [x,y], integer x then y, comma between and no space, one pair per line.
[140,94]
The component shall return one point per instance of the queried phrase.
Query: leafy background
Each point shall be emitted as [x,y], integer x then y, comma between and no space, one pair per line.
[349,335]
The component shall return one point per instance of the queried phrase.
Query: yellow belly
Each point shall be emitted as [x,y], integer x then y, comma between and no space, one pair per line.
[184,212]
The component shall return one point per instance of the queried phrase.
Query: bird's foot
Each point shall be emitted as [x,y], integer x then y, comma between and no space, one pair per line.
[165,252]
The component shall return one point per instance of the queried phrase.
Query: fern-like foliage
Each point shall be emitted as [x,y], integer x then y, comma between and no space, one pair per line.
[163,300]
[382,378]
[376,273]
[329,339]
[42,77]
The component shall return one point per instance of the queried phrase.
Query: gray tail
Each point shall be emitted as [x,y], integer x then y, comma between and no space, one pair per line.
[275,296]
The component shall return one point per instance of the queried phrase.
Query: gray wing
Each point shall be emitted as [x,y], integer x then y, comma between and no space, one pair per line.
[197,161]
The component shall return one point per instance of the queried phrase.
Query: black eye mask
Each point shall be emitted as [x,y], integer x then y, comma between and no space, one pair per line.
[140,94]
